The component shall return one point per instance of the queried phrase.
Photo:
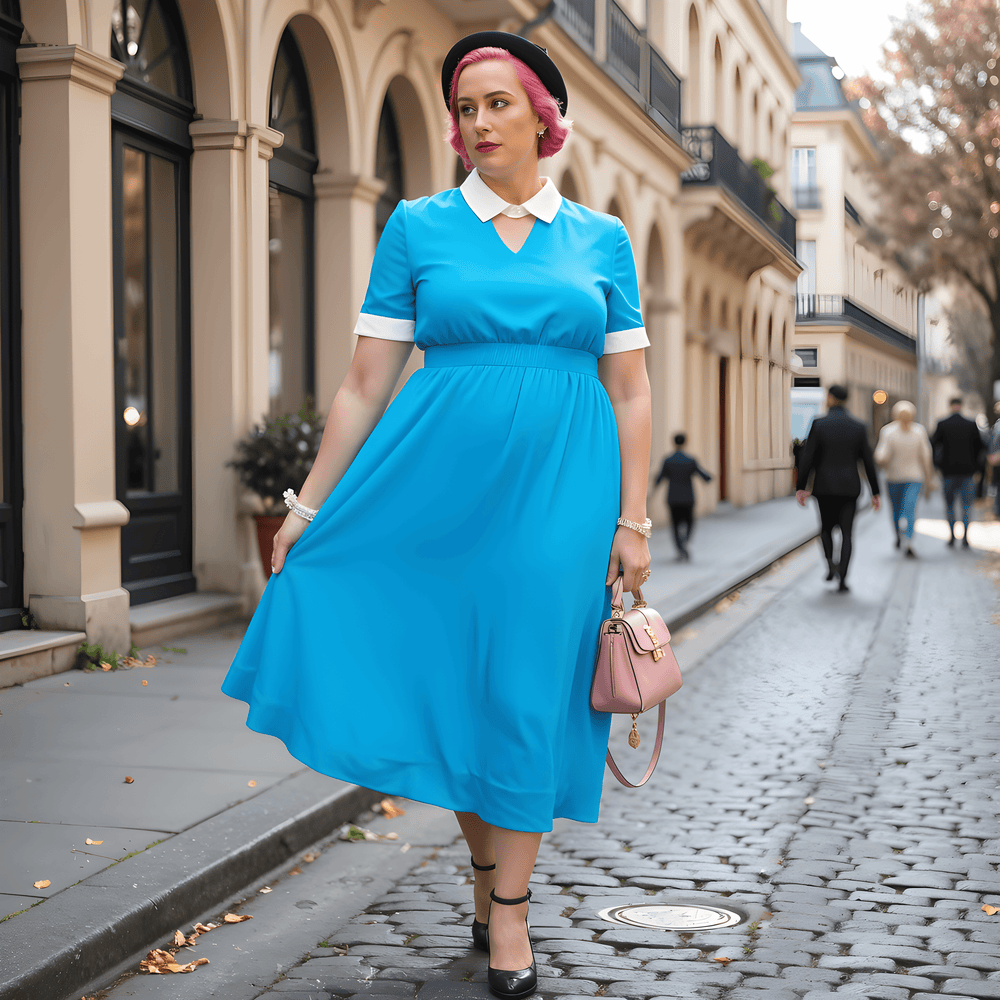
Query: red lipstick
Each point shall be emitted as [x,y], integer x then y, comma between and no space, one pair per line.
[485,147]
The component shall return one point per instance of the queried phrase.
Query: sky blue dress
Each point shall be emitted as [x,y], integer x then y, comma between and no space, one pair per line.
[433,633]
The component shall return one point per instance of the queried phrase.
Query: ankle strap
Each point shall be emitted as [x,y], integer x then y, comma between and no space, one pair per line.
[510,902]
[481,868]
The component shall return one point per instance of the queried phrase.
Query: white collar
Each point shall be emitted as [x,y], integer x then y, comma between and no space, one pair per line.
[487,204]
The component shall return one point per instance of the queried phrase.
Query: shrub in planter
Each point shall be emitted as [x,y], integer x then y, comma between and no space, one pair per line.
[273,457]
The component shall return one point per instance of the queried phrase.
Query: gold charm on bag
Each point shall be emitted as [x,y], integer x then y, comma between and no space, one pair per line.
[633,737]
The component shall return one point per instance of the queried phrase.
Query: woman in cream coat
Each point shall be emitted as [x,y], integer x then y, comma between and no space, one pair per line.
[904,453]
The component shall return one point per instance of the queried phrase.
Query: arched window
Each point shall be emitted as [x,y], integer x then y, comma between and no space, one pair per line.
[568,188]
[720,90]
[389,164]
[291,234]
[151,110]
[693,82]
[11,551]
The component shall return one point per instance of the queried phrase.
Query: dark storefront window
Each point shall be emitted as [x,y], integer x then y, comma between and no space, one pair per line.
[11,494]
[291,251]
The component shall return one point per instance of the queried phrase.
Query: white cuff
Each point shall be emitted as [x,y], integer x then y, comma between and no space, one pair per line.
[625,340]
[384,327]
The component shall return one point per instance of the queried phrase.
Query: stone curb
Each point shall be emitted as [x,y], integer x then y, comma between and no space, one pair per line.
[701,601]
[86,930]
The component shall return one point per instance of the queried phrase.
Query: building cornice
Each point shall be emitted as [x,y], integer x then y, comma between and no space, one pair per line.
[351,186]
[774,42]
[70,62]
[862,139]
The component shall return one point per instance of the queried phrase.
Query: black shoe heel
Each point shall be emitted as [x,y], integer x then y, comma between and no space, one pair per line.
[480,931]
[512,985]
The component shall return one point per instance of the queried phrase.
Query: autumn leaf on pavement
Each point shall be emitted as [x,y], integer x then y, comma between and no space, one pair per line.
[237,918]
[390,810]
[341,949]
[159,962]
[310,857]
[295,871]
[987,909]
[129,779]
[722,959]
[179,939]
[252,784]
[105,667]
[45,883]
[93,843]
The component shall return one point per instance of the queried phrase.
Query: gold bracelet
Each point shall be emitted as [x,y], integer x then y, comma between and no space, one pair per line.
[643,529]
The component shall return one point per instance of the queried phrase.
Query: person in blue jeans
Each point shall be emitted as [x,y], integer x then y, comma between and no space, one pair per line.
[958,452]
[904,452]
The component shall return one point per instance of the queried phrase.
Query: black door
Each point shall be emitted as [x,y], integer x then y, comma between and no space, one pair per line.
[151,150]
[152,365]
[11,493]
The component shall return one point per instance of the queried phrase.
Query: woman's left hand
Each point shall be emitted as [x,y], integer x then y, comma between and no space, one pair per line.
[630,557]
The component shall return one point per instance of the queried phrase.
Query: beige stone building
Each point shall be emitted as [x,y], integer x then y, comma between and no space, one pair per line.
[188,223]
[857,313]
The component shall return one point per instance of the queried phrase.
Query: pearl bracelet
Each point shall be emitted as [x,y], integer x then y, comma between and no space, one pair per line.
[292,503]
[643,529]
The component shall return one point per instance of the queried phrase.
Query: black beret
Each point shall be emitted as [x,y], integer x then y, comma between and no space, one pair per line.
[528,52]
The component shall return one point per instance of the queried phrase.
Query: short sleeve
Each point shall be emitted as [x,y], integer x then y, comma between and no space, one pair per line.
[624,330]
[389,310]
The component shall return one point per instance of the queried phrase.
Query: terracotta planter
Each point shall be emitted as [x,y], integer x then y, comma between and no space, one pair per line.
[267,528]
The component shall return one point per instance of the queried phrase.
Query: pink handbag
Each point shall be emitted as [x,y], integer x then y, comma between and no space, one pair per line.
[636,669]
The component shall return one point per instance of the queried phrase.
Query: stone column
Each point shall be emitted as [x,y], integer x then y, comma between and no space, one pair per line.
[72,519]
[345,245]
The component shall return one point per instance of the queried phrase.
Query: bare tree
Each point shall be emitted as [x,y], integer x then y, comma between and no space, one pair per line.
[938,120]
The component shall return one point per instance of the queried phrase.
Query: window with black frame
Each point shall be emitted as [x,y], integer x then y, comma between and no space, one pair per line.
[151,110]
[291,214]
[388,164]
[11,495]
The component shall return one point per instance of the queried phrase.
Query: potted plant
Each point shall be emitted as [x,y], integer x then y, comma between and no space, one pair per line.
[273,457]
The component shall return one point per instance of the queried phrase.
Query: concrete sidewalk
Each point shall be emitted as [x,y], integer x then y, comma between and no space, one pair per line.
[210,801]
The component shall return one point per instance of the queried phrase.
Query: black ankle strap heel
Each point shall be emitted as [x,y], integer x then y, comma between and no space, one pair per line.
[519,983]
[480,931]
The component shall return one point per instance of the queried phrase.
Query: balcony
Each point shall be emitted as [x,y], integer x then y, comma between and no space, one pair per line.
[720,165]
[628,58]
[807,197]
[842,309]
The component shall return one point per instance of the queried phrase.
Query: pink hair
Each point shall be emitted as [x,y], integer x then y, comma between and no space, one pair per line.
[542,102]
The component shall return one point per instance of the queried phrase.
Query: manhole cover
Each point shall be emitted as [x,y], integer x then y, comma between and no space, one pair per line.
[667,917]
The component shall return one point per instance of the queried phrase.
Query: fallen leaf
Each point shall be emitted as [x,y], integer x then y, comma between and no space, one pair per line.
[160,962]
[404,848]
[237,918]
[809,801]
[151,662]
[392,836]
[129,779]
[43,884]
[252,784]
[722,959]
[204,928]
[266,889]
[179,939]
[390,810]
[295,871]
[341,949]
[987,909]
[145,683]
[105,667]
[311,856]
[93,843]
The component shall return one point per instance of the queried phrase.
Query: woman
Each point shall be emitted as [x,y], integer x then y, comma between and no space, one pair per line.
[432,631]
[904,452]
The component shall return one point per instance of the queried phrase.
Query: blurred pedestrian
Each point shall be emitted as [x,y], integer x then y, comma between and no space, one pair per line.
[679,469]
[835,446]
[904,452]
[958,451]
[993,458]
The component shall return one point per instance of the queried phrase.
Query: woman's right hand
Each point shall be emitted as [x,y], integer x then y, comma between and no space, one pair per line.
[288,534]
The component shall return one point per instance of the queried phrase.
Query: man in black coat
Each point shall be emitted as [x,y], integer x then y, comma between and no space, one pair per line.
[958,453]
[836,443]
[679,469]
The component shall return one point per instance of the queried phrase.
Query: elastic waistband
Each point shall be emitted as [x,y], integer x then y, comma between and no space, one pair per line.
[566,359]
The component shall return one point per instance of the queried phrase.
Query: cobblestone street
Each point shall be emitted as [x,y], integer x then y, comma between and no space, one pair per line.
[830,770]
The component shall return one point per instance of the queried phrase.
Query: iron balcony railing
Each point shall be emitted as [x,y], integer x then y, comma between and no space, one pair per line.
[842,308]
[851,211]
[807,197]
[628,58]
[718,163]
